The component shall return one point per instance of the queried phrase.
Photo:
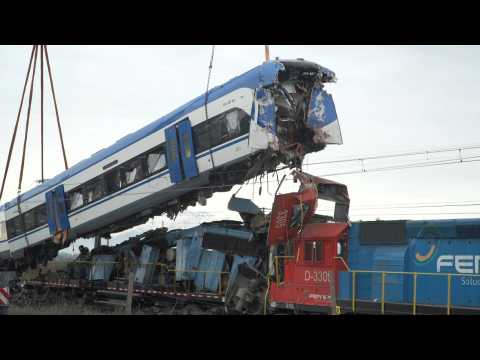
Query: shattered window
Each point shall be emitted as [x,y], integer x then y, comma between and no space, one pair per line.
[131,175]
[156,161]
[76,199]
[220,129]
[113,181]
[298,214]
[233,123]
[94,191]
[134,171]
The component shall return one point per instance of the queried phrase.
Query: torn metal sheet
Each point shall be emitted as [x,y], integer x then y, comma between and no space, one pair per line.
[266,110]
[146,268]
[102,267]
[188,254]
[322,117]
[244,206]
[237,260]
[327,190]
[212,263]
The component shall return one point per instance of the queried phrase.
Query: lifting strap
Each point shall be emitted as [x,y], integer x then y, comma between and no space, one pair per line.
[33,58]
[12,142]
[206,101]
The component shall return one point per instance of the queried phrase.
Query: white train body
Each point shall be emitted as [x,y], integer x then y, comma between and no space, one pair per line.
[172,163]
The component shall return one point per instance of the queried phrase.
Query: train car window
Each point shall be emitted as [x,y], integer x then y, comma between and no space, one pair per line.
[134,171]
[232,123]
[18,225]
[113,181]
[156,161]
[201,136]
[93,191]
[11,230]
[29,218]
[75,199]
[41,214]
[220,129]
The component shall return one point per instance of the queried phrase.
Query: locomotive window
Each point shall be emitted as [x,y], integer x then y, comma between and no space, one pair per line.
[318,251]
[75,199]
[156,161]
[308,251]
[313,251]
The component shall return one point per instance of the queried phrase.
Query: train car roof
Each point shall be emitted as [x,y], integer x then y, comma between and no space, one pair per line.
[264,74]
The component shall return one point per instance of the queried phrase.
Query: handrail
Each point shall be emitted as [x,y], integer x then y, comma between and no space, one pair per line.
[414,276]
[275,260]
[343,261]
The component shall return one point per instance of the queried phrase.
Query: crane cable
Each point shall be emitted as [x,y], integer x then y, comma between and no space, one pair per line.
[30,95]
[206,100]
[12,142]
[33,59]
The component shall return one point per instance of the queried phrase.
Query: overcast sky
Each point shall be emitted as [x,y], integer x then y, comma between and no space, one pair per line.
[389,99]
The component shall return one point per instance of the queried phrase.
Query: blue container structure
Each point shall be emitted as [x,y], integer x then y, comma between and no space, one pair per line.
[423,247]
[207,263]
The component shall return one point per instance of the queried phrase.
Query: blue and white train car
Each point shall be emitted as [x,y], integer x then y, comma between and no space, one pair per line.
[272,114]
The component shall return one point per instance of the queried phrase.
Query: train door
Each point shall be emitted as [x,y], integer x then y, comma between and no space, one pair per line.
[189,160]
[182,162]
[57,216]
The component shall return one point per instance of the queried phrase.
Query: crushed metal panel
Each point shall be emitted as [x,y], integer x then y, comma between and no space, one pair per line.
[102,267]
[246,206]
[229,241]
[211,261]
[148,260]
[188,255]
[266,110]
[327,190]
[322,117]
[237,260]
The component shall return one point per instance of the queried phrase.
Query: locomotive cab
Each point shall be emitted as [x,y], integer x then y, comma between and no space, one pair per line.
[306,255]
